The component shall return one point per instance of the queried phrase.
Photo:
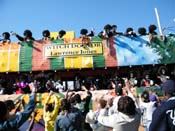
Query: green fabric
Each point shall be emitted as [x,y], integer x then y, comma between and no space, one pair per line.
[90,105]
[57,63]
[96,39]
[159,92]
[26,51]
[98,61]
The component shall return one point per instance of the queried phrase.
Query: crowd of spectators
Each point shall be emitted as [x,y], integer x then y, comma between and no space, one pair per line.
[119,111]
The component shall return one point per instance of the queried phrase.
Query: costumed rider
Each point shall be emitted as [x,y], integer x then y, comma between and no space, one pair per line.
[27,36]
[85,37]
[6,38]
[46,35]
[61,34]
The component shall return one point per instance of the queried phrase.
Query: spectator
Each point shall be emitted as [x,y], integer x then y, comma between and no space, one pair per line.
[126,119]
[68,119]
[10,106]
[14,124]
[50,85]
[27,36]
[163,116]
[78,103]
[58,86]
[147,108]
[91,117]
[132,79]
[147,82]
[50,111]
[110,106]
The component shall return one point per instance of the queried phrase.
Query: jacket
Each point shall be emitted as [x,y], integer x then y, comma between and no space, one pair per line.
[14,124]
[162,119]
[121,122]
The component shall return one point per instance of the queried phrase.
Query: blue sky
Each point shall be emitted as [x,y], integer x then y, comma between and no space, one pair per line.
[37,15]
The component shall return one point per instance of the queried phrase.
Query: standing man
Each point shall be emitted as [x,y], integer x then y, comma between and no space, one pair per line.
[163,117]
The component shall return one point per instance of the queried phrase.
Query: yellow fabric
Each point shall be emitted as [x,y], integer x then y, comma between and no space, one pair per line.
[68,35]
[3,57]
[49,117]
[9,57]
[54,35]
[14,57]
[3,61]
[78,62]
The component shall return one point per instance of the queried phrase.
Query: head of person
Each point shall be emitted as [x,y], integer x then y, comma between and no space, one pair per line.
[145,96]
[61,33]
[50,107]
[6,35]
[83,32]
[65,105]
[3,111]
[168,88]
[27,34]
[152,29]
[77,98]
[114,28]
[126,105]
[10,105]
[46,33]
[107,28]
[142,31]
[119,90]
[129,31]
[102,103]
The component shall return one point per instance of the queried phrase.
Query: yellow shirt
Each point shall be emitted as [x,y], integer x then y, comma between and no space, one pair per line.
[49,117]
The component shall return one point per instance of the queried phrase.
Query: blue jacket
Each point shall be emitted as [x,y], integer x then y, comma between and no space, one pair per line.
[161,120]
[70,122]
[14,124]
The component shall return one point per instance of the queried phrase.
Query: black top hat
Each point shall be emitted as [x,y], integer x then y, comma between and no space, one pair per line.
[142,31]
[83,31]
[28,33]
[46,33]
[62,33]
[6,35]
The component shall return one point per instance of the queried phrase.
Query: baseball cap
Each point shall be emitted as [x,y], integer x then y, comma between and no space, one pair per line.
[168,86]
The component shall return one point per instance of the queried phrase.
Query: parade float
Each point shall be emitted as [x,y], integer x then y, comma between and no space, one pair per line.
[68,56]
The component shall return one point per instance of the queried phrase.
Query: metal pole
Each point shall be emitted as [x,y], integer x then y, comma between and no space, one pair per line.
[158,22]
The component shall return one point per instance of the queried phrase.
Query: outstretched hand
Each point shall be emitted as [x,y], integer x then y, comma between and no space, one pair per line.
[51,93]
[32,87]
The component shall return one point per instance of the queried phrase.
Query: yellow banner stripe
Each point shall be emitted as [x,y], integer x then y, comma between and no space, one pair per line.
[78,62]
[14,57]
[9,57]
[3,61]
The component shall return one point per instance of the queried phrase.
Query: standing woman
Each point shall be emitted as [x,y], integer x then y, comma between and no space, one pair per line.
[50,111]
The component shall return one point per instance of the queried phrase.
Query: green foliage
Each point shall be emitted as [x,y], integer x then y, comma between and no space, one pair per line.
[165,48]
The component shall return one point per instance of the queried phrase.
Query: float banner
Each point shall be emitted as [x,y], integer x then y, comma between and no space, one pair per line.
[67,50]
